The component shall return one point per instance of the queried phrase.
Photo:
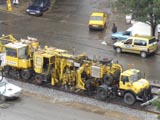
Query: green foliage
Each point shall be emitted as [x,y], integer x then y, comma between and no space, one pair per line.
[143,10]
[157,104]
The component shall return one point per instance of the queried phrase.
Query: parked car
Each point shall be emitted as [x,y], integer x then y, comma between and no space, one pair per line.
[121,35]
[97,20]
[142,45]
[38,7]
[8,90]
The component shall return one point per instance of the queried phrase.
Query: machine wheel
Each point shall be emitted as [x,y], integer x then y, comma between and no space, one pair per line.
[26,74]
[116,75]
[88,86]
[38,79]
[102,93]
[14,74]
[129,98]
[108,79]
[118,50]
[2,98]
[143,54]
[6,70]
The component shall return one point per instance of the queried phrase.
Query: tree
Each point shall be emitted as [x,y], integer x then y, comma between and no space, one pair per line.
[142,10]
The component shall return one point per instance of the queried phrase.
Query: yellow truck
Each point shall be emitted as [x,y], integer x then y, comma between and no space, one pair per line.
[132,86]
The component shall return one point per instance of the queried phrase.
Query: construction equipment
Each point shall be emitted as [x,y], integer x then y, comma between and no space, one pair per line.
[56,67]
[19,58]
[132,86]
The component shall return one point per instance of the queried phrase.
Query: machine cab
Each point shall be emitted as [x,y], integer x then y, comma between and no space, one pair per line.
[43,63]
[17,55]
[131,80]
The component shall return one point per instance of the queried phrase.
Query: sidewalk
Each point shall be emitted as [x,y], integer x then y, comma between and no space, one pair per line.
[19,9]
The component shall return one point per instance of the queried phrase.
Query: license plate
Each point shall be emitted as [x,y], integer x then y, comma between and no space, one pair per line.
[32,13]
[95,25]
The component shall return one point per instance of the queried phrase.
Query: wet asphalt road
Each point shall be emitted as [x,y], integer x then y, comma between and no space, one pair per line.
[65,26]
[36,108]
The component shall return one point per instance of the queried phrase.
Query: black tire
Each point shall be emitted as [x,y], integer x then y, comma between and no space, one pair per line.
[118,50]
[116,75]
[108,79]
[14,74]
[88,86]
[129,98]
[2,98]
[102,94]
[6,70]
[38,79]
[26,74]
[143,54]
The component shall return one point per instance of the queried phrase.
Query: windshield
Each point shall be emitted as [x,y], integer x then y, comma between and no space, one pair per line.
[152,41]
[38,3]
[97,18]
[11,52]
[22,52]
[135,77]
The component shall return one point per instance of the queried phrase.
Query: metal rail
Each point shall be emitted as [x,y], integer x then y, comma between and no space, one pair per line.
[117,100]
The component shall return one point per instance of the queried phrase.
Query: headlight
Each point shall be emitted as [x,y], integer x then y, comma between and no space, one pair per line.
[37,11]
[27,10]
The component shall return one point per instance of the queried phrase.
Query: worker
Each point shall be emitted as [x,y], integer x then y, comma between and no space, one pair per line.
[114,28]
[16,2]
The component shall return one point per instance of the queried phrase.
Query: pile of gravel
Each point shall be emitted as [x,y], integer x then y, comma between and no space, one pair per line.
[59,96]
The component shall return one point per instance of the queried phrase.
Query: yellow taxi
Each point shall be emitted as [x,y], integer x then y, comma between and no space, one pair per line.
[97,20]
[142,45]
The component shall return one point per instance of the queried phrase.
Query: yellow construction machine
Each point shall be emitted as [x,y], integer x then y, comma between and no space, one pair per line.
[19,58]
[131,86]
[56,67]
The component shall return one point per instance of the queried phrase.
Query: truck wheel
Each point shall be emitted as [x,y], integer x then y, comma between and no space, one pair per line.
[102,93]
[143,54]
[14,74]
[2,98]
[26,74]
[116,75]
[129,98]
[108,79]
[6,70]
[118,50]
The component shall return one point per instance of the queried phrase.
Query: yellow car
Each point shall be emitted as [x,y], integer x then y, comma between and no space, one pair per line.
[97,20]
[142,45]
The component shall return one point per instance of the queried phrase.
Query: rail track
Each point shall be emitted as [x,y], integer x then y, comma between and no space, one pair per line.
[115,100]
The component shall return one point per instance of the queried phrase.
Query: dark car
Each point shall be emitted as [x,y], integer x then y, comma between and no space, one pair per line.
[38,7]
